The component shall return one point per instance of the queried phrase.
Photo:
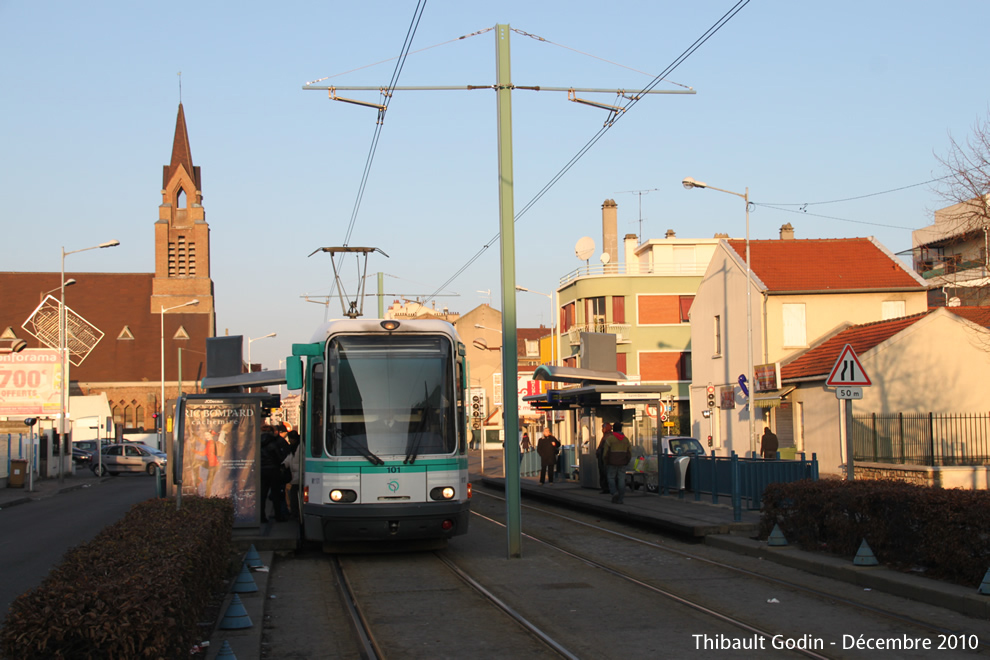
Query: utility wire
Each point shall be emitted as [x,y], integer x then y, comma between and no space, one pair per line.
[828,217]
[700,41]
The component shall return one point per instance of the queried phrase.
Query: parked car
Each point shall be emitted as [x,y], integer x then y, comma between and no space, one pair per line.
[682,448]
[130,457]
[81,457]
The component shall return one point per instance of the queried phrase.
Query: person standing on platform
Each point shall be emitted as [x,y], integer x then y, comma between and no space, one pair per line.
[616,456]
[768,444]
[547,448]
[599,454]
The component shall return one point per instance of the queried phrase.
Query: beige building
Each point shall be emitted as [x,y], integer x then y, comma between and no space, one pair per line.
[932,362]
[800,290]
[951,255]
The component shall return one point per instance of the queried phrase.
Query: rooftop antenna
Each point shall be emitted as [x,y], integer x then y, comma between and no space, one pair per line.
[640,193]
[352,308]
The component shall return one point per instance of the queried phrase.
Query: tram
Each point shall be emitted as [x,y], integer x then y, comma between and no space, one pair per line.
[383,429]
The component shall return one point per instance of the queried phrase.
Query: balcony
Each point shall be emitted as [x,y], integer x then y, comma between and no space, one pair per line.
[634,269]
[620,330]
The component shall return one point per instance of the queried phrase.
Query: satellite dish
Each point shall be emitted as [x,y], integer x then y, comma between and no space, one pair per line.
[584,248]
[954,302]
[605,258]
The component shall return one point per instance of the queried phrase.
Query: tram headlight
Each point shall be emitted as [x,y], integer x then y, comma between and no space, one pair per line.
[337,495]
[390,325]
[442,493]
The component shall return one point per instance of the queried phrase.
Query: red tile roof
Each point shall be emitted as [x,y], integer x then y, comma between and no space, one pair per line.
[819,360]
[978,315]
[835,264]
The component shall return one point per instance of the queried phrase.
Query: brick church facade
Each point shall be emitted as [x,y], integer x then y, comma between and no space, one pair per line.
[126,363]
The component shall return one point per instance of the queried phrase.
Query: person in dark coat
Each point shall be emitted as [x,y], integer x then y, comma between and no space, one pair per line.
[768,444]
[602,471]
[547,449]
[273,452]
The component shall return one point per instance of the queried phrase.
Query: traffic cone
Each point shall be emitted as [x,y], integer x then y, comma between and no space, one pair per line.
[236,617]
[776,537]
[244,584]
[226,653]
[985,585]
[864,556]
[252,558]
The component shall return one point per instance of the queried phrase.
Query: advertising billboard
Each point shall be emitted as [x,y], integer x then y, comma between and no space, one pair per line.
[30,383]
[220,438]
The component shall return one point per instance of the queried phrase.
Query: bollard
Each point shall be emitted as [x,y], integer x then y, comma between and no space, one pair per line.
[777,537]
[252,558]
[236,617]
[864,556]
[985,585]
[244,584]
[226,653]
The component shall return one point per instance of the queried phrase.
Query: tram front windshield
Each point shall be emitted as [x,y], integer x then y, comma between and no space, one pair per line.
[390,395]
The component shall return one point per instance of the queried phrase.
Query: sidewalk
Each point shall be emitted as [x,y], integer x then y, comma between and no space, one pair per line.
[42,488]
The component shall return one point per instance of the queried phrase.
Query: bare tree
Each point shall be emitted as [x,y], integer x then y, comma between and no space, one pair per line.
[952,253]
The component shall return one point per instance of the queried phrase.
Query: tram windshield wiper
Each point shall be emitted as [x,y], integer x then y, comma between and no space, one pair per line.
[364,451]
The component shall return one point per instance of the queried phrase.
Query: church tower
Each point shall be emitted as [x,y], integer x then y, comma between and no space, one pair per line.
[182,237]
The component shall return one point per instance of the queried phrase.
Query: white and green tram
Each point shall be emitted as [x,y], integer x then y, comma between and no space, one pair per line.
[383,428]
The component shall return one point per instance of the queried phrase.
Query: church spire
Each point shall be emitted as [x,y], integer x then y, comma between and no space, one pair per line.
[181,153]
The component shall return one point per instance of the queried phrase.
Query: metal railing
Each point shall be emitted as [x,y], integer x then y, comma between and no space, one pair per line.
[620,330]
[657,269]
[929,439]
[734,477]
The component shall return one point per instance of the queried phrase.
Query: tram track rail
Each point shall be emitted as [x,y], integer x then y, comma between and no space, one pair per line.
[817,593]
[371,648]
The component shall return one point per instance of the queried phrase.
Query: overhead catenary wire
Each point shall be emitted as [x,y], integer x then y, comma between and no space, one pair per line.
[700,41]
[365,175]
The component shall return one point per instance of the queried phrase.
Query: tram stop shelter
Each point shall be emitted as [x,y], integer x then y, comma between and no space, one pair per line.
[598,394]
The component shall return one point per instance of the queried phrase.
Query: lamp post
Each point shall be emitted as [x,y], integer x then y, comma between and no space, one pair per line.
[161,415]
[690,183]
[63,353]
[250,341]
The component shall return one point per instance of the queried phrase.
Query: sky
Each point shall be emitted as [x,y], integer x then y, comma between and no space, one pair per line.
[801,103]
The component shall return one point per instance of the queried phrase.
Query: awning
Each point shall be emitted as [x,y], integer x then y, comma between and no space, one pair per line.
[771,399]
[593,396]
[253,379]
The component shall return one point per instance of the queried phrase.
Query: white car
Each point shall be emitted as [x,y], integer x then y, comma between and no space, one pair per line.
[130,457]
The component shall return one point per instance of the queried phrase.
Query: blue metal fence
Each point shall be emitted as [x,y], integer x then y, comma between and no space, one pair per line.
[741,479]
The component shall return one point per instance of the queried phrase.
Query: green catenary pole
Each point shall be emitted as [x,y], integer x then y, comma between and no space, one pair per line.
[381,295]
[513,509]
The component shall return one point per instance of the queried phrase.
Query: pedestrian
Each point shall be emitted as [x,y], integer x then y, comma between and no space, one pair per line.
[547,448]
[768,444]
[526,444]
[292,460]
[616,456]
[273,450]
[599,454]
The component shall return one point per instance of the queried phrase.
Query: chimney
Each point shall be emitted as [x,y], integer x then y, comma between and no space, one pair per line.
[787,232]
[670,234]
[721,235]
[610,230]
[629,243]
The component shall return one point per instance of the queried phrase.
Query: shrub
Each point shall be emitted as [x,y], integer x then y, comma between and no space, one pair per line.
[940,532]
[134,591]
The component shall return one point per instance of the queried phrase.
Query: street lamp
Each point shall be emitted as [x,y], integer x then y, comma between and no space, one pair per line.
[690,183]
[68,282]
[553,309]
[250,341]
[64,353]
[161,416]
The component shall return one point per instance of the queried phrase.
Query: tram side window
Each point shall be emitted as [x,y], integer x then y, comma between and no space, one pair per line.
[316,403]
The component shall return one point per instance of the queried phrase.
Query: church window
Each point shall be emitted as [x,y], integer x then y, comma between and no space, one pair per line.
[180,199]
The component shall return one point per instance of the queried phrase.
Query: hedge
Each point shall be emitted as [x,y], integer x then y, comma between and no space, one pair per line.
[137,590]
[940,533]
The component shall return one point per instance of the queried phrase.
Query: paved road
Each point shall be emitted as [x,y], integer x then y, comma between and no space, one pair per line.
[37,534]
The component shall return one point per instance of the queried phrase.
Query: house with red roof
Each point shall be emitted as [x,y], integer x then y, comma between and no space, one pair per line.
[799,290]
[935,361]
